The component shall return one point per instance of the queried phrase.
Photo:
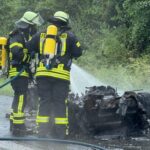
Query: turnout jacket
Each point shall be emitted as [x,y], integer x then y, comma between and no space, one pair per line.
[68,48]
[18,53]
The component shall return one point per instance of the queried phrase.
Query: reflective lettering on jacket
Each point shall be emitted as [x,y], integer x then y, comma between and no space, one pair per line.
[58,71]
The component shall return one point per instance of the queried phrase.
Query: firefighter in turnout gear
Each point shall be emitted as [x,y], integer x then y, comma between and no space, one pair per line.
[53,74]
[19,59]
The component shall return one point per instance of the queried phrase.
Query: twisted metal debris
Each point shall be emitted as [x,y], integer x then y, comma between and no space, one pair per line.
[101,111]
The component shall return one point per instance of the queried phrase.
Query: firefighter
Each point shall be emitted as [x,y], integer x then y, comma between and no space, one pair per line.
[53,81]
[19,58]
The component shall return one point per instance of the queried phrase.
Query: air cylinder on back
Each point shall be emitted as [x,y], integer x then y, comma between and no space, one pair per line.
[50,45]
[3,42]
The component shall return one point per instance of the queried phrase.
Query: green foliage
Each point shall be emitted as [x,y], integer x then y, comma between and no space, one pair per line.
[138,13]
[7,90]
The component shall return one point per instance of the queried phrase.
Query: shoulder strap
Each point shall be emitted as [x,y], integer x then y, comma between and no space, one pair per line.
[42,39]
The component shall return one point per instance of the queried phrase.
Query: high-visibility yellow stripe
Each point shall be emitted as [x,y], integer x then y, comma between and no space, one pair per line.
[42,38]
[66,102]
[10,55]
[24,58]
[18,121]
[41,65]
[78,44]
[54,70]
[63,39]
[42,119]
[16,44]
[28,59]
[11,114]
[18,115]
[20,105]
[41,45]
[60,67]
[50,74]
[17,72]
[67,116]
[30,37]
[11,117]
[14,73]
[25,50]
[13,69]
[61,121]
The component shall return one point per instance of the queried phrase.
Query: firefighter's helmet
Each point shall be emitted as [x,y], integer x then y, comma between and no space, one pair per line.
[61,16]
[59,19]
[29,18]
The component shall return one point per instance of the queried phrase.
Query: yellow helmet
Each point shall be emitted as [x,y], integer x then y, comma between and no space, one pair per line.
[61,16]
[31,18]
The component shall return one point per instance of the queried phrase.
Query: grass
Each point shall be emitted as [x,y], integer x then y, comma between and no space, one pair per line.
[135,76]
[121,78]
[7,90]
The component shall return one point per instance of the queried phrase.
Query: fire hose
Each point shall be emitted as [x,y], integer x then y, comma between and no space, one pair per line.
[13,78]
[94,147]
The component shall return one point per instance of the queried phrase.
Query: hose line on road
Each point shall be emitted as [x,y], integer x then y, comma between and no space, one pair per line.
[96,147]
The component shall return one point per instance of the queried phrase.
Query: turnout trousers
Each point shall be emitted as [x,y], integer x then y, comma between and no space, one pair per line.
[17,117]
[52,117]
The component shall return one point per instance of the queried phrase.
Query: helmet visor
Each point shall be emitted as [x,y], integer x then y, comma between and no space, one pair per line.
[38,20]
[21,24]
[33,20]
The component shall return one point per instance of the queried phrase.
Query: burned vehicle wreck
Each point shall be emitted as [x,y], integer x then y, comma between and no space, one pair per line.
[102,111]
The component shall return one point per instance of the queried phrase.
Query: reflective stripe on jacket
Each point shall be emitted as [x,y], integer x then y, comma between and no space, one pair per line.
[18,54]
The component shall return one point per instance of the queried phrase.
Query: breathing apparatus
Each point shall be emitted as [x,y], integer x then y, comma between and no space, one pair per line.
[50,46]
[3,42]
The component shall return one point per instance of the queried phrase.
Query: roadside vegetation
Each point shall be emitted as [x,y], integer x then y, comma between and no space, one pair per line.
[115,35]
[7,90]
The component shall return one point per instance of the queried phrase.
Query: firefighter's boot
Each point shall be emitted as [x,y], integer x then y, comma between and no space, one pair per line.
[60,132]
[11,126]
[19,130]
[43,130]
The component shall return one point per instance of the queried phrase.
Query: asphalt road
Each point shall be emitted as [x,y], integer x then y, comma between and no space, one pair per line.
[109,141]
[5,105]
